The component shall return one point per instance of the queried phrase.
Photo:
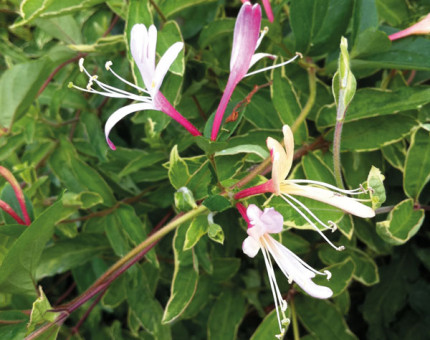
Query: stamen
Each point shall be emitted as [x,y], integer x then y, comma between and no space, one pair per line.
[262,34]
[125,81]
[108,65]
[333,226]
[310,222]
[326,272]
[357,191]
[272,67]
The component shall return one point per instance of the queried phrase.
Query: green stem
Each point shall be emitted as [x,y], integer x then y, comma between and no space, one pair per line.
[311,100]
[151,239]
[336,153]
[294,318]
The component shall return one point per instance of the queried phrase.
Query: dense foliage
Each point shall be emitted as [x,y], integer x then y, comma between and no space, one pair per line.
[117,245]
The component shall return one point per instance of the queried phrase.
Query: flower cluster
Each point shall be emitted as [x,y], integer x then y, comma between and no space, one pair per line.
[246,39]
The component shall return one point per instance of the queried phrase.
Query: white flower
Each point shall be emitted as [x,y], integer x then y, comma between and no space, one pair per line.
[260,225]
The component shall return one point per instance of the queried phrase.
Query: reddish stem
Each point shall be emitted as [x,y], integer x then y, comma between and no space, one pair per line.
[8,209]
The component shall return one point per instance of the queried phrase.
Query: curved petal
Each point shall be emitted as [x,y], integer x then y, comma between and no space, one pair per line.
[250,246]
[139,51]
[273,220]
[289,145]
[120,114]
[280,166]
[164,64]
[348,204]
[293,268]
[258,56]
[152,44]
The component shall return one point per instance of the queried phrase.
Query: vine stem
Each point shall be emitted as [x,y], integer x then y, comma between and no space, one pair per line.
[294,318]
[336,153]
[311,99]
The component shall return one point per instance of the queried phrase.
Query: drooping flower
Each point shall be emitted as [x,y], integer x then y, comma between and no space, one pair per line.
[246,39]
[142,46]
[260,225]
[421,27]
[282,160]
[267,8]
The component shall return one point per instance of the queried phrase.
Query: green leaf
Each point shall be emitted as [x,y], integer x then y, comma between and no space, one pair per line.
[395,154]
[403,222]
[322,318]
[380,131]
[41,313]
[365,16]
[167,36]
[244,148]
[225,268]
[319,24]
[366,270]
[344,83]
[286,103]
[226,315]
[18,327]
[217,203]
[178,169]
[417,164]
[32,9]
[185,277]
[145,310]
[198,227]
[77,175]
[216,233]
[19,86]
[393,11]
[215,30]
[269,327]
[315,169]
[200,299]
[67,254]
[170,8]
[375,184]
[370,103]
[370,42]
[17,271]
[83,200]
[341,276]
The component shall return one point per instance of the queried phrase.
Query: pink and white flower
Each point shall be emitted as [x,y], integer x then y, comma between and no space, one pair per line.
[246,39]
[282,160]
[267,9]
[260,225]
[142,46]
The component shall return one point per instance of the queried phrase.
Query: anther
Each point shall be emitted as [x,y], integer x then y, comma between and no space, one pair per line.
[332,225]
[284,305]
[299,54]
[340,248]
[326,272]
[81,64]
[70,85]
[108,65]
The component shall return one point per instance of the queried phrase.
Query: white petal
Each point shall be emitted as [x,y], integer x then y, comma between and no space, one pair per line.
[152,43]
[257,56]
[342,202]
[273,221]
[164,64]
[254,213]
[292,267]
[280,166]
[139,51]
[121,113]
[289,145]
[250,246]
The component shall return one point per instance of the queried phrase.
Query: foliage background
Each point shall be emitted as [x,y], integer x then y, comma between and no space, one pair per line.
[90,206]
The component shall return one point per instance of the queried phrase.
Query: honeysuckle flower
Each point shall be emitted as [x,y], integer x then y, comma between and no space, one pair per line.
[421,27]
[142,46]
[267,8]
[246,39]
[260,225]
[282,160]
